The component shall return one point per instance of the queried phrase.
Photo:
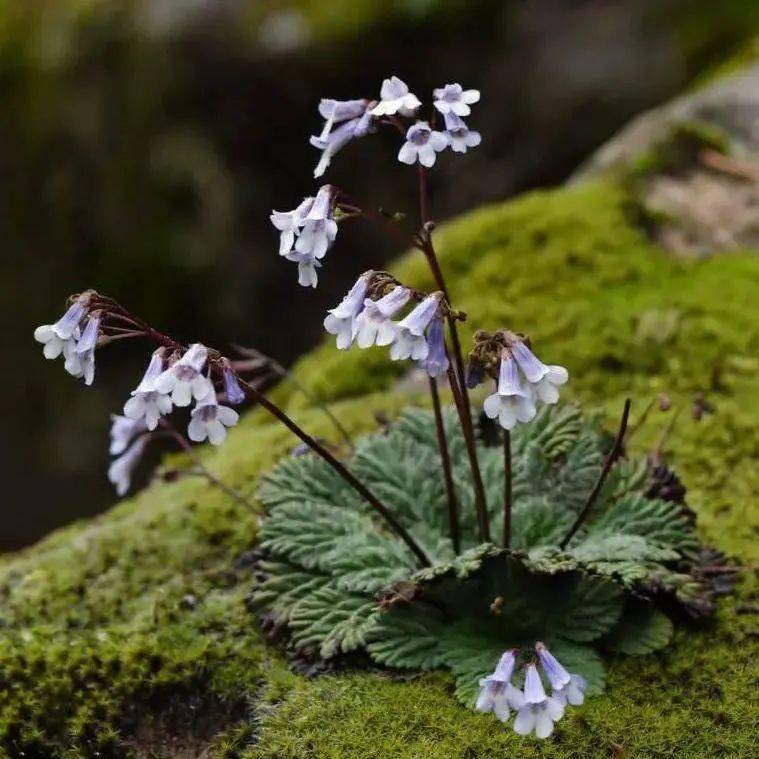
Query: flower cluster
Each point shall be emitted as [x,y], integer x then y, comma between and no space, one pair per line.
[368,321]
[174,377]
[535,710]
[523,380]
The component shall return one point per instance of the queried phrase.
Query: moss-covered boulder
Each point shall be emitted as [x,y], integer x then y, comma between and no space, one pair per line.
[130,634]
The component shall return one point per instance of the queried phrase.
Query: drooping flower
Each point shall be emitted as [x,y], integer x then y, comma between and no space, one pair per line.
[539,711]
[210,420]
[453,98]
[307,266]
[410,341]
[288,223]
[422,144]
[331,142]
[147,403]
[184,379]
[85,349]
[374,325]
[319,228]
[340,320]
[235,394]
[544,381]
[460,136]
[511,403]
[497,693]
[395,98]
[55,337]
[565,687]
[121,469]
[123,432]
[337,111]
[436,364]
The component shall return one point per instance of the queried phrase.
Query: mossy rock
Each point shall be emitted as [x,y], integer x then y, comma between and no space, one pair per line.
[129,634]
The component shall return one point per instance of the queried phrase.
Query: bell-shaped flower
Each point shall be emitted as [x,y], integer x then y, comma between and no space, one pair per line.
[539,711]
[410,341]
[374,325]
[497,692]
[55,337]
[123,432]
[146,402]
[544,381]
[210,420]
[337,111]
[121,469]
[184,380]
[340,320]
[85,350]
[511,403]
[453,98]
[234,393]
[422,144]
[288,223]
[460,136]
[395,98]
[307,266]
[319,227]
[331,142]
[436,364]
[565,687]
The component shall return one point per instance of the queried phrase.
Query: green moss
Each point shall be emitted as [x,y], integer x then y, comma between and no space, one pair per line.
[114,618]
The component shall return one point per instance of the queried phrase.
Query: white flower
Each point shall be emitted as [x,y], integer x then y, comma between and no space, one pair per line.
[539,711]
[123,432]
[454,99]
[210,420]
[422,144]
[146,402]
[409,336]
[319,229]
[184,379]
[374,325]
[497,693]
[331,142]
[544,380]
[340,320]
[307,266]
[511,403]
[565,687]
[120,469]
[395,98]
[55,337]
[85,350]
[436,364]
[288,223]
[460,136]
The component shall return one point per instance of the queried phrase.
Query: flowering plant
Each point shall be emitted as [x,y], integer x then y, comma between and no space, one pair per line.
[426,545]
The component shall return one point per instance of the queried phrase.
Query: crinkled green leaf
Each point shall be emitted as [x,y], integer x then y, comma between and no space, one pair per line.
[642,629]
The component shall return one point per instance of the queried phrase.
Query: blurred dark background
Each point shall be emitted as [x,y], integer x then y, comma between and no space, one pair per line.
[143,145]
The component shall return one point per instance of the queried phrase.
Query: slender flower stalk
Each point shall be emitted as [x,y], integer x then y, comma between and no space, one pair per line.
[445,458]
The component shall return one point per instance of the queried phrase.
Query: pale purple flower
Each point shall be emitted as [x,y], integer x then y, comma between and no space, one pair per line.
[539,711]
[422,144]
[395,98]
[123,432]
[497,693]
[85,350]
[410,341]
[374,325]
[565,687]
[319,228]
[544,381]
[453,98]
[55,337]
[511,403]
[337,111]
[460,136]
[436,364]
[121,469]
[288,223]
[235,394]
[307,266]
[146,402]
[340,320]
[210,420]
[184,380]
[331,142]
